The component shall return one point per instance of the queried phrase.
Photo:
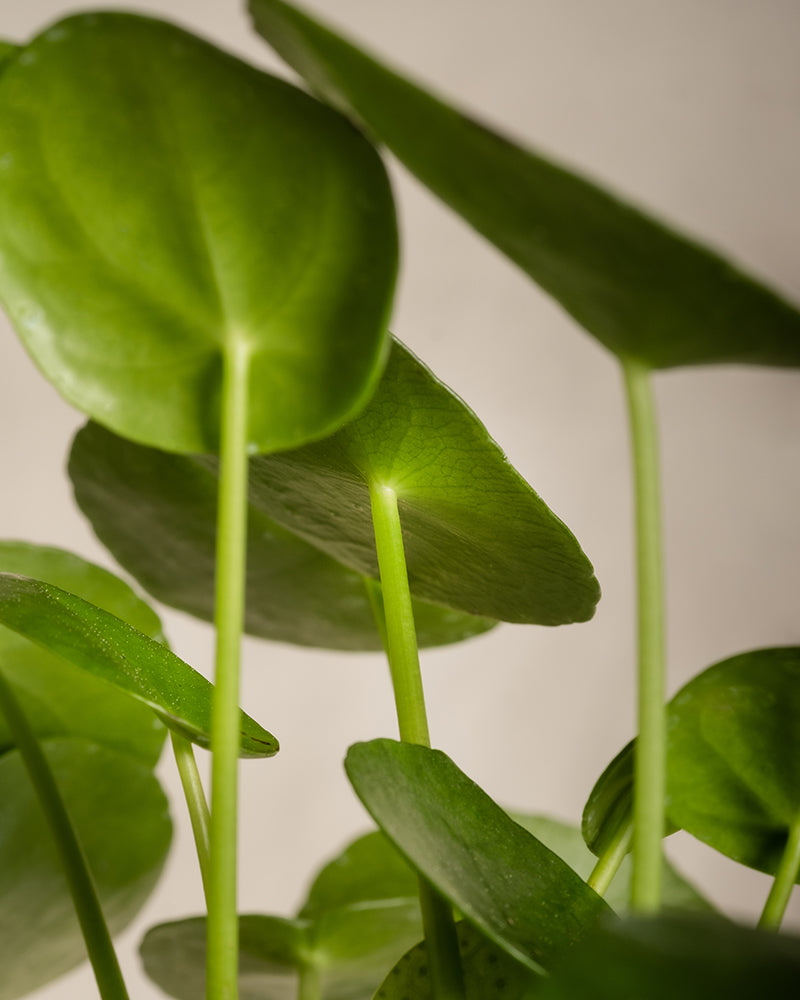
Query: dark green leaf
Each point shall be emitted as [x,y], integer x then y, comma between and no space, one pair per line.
[167,209]
[610,803]
[489,973]
[643,290]
[156,513]
[502,879]
[566,841]
[476,536]
[734,755]
[678,956]
[121,817]
[58,700]
[7,50]
[101,644]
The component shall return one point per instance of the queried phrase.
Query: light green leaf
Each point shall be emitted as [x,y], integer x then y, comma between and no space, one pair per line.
[734,755]
[489,973]
[476,536]
[156,513]
[566,841]
[121,817]
[683,956]
[101,644]
[501,879]
[643,290]
[361,915]
[58,700]
[168,210]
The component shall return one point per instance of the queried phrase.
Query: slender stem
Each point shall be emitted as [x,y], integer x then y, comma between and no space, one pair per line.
[195,796]
[223,930]
[400,638]
[309,986]
[401,635]
[785,879]
[650,757]
[608,863]
[79,879]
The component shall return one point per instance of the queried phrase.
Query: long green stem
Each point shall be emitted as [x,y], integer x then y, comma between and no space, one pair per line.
[785,879]
[309,986]
[650,758]
[195,796]
[444,959]
[79,879]
[223,930]
[608,863]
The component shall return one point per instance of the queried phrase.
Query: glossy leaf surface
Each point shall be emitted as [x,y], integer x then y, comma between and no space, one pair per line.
[672,956]
[199,211]
[476,536]
[110,650]
[610,803]
[566,841]
[58,700]
[489,973]
[360,916]
[643,290]
[156,513]
[121,817]
[502,879]
[734,755]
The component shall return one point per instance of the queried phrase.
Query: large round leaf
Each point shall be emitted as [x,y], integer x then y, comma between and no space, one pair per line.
[678,956]
[733,778]
[360,916]
[501,878]
[640,288]
[167,208]
[57,699]
[121,819]
[156,513]
[110,650]
[476,536]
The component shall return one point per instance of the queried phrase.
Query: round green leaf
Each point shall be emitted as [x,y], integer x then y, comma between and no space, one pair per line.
[501,878]
[156,513]
[643,290]
[120,814]
[56,699]
[567,842]
[168,209]
[489,973]
[734,755]
[678,956]
[476,536]
[114,652]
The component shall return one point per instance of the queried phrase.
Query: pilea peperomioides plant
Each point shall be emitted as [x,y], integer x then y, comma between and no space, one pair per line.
[201,258]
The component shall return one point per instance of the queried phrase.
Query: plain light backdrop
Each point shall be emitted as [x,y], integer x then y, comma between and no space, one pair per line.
[688,108]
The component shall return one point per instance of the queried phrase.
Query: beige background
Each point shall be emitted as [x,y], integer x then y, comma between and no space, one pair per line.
[690,108]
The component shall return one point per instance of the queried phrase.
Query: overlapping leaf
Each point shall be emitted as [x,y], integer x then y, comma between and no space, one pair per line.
[169,211]
[156,513]
[361,915]
[120,814]
[502,879]
[643,290]
[112,651]
[476,536]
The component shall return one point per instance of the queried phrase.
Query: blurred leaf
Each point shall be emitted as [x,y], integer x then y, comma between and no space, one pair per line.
[734,755]
[643,290]
[502,879]
[201,211]
[58,700]
[683,956]
[121,817]
[156,513]
[112,651]
[489,973]
[476,536]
